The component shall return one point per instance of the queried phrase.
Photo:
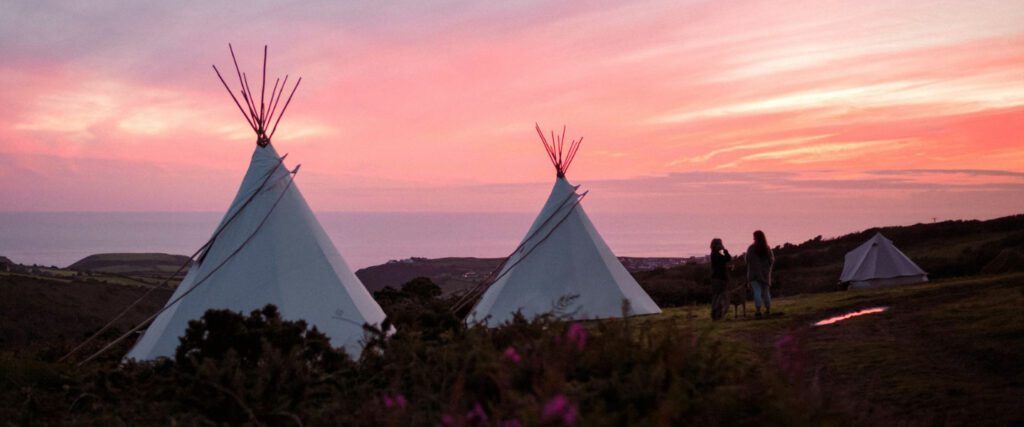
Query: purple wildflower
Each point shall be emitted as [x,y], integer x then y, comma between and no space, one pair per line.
[555,406]
[559,407]
[577,335]
[570,414]
[477,413]
[397,400]
[512,356]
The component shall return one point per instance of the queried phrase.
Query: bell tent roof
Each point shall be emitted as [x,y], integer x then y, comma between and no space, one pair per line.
[877,258]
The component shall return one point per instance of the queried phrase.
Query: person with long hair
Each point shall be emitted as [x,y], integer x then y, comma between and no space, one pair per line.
[759,272]
[719,278]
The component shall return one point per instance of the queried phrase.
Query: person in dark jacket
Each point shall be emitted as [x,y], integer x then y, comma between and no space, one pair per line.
[719,279]
[760,260]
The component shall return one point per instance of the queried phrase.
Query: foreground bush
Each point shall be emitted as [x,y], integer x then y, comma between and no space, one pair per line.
[260,369]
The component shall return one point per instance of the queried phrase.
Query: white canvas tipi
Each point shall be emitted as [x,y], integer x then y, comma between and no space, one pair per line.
[878,263]
[268,249]
[562,256]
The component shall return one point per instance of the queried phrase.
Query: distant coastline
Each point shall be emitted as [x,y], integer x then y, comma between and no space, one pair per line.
[370,239]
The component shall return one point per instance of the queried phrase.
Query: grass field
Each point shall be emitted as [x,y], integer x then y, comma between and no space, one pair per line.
[943,352]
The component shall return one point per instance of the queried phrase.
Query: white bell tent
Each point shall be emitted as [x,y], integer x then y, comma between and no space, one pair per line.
[878,263]
[268,249]
[562,256]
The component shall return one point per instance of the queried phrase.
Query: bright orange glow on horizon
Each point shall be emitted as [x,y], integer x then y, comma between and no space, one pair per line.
[836,106]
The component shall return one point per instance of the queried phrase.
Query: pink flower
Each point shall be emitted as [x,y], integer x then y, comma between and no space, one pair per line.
[569,416]
[512,356]
[555,406]
[397,400]
[447,420]
[559,407]
[577,335]
[477,413]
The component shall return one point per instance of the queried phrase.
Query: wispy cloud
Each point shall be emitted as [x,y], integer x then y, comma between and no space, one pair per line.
[971,172]
[442,96]
[751,146]
[828,151]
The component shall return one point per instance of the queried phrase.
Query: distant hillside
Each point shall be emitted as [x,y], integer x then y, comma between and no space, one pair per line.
[451,274]
[943,249]
[131,263]
[62,311]
[455,274]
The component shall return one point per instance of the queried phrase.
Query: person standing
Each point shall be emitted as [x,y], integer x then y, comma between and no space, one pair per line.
[759,272]
[719,279]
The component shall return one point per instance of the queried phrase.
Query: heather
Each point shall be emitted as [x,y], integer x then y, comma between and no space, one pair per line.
[430,369]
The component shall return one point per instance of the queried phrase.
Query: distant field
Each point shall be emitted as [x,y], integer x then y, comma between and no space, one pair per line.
[47,312]
[461,273]
[132,263]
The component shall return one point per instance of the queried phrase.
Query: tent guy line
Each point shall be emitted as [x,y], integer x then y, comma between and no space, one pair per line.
[283,258]
[201,250]
[174,301]
[554,150]
[570,259]
[487,281]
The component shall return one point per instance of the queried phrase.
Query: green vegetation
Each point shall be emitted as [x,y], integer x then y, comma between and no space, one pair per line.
[944,352]
[260,369]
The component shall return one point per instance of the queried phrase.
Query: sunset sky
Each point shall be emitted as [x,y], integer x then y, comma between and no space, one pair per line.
[897,111]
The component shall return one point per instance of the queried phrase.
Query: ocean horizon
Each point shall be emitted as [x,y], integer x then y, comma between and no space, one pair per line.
[371,238]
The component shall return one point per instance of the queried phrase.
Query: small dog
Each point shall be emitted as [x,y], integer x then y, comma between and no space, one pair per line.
[738,296]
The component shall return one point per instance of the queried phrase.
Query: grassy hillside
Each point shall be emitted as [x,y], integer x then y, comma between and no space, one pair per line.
[56,313]
[456,274]
[131,263]
[946,352]
[944,249]
[451,274]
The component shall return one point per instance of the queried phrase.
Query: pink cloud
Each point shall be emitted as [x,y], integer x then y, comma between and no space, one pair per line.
[415,106]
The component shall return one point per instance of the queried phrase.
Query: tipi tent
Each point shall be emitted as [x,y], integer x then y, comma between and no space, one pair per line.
[562,256]
[268,249]
[878,263]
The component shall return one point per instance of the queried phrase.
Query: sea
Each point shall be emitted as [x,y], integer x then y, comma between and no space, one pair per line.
[371,238]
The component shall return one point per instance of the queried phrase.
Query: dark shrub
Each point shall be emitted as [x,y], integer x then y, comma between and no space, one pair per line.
[260,369]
